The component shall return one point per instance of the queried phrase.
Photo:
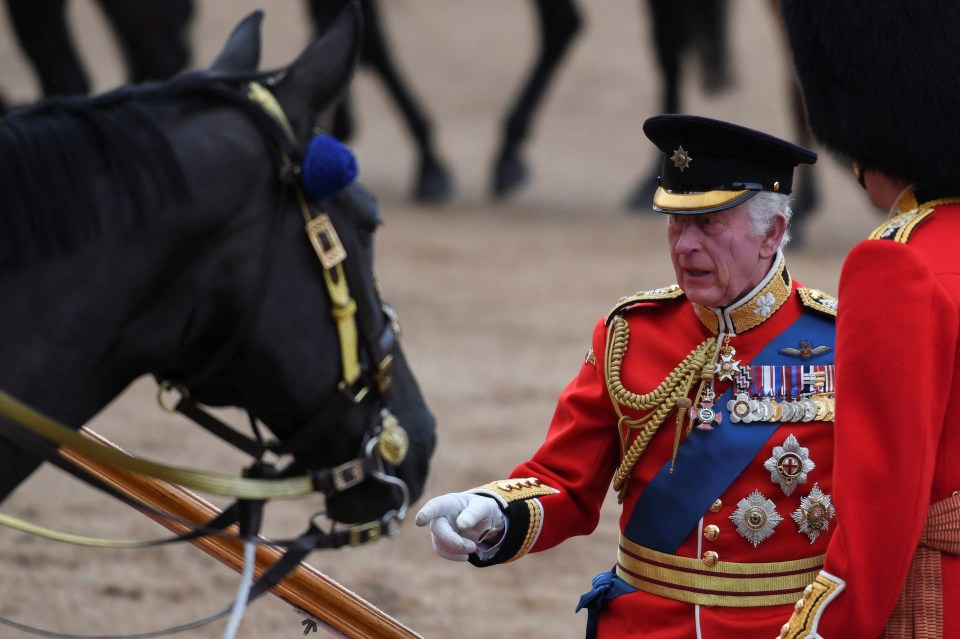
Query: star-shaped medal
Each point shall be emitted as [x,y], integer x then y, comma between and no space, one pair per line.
[681,159]
[755,518]
[789,465]
[814,514]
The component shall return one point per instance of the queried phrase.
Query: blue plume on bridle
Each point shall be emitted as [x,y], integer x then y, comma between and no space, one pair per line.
[328,167]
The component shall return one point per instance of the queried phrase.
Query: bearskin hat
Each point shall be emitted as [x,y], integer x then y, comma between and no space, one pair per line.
[881,83]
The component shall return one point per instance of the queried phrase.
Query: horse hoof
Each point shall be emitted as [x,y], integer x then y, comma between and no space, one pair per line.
[509,175]
[434,184]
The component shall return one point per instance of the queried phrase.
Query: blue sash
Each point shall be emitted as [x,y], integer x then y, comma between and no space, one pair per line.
[707,462]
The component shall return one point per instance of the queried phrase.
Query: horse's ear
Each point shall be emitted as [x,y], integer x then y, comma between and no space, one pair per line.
[321,74]
[242,51]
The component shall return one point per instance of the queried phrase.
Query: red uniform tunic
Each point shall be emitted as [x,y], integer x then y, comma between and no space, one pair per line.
[898,389]
[689,517]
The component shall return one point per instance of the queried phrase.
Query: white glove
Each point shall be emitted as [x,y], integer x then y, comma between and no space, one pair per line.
[459,521]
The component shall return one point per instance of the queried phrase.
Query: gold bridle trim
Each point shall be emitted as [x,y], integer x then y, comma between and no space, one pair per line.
[330,252]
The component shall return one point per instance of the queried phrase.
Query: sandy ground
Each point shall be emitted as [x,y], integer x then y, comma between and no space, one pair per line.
[497,301]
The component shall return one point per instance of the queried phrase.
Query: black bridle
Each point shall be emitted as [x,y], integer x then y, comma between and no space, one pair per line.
[367,354]
[368,339]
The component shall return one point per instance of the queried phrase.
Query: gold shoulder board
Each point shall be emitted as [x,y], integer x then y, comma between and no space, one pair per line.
[817,300]
[899,227]
[672,292]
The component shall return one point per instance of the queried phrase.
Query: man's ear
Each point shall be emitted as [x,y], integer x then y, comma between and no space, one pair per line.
[773,237]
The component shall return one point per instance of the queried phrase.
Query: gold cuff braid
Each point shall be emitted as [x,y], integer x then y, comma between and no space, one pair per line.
[524,490]
[803,621]
[518,489]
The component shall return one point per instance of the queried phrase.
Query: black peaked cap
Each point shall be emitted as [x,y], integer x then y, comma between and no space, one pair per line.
[711,165]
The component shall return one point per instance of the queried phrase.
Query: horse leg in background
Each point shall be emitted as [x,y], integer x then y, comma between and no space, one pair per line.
[669,25]
[434,183]
[43,35]
[153,36]
[806,193]
[676,26]
[708,22]
[340,122]
[560,21]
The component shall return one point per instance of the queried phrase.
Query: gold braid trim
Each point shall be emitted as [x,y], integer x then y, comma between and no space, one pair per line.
[533,530]
[806,614]
[662,400]
[728,584]
[908,216]
[518,489]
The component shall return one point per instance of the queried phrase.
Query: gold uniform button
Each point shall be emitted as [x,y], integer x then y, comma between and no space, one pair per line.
[710,558]
[717,505]
[711,532]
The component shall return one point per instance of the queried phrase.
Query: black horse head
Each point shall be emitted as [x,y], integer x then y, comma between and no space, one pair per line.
[159,229]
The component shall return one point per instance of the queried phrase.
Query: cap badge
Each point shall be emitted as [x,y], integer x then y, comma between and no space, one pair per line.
[681,159]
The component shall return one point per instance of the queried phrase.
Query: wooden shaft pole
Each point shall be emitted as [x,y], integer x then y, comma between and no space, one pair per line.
[341,610]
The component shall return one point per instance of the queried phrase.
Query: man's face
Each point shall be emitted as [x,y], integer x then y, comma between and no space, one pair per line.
[716,258]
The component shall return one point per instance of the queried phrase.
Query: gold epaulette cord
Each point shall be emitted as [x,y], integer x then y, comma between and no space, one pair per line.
[674,391]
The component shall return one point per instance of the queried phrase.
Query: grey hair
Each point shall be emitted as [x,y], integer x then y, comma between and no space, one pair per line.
[763,208]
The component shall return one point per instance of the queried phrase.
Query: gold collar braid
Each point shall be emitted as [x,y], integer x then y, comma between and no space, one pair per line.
[672,393]
[906,215]
[755,307]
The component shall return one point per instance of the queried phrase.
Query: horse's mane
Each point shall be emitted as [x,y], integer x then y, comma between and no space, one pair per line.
[51,153]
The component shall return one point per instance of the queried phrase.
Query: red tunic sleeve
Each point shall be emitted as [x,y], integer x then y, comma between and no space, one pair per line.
[579,454]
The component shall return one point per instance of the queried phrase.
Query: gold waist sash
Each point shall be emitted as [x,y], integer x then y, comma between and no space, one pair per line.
[729,584]
[918,613]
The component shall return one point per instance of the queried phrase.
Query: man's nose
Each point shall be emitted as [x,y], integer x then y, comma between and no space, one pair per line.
[688,237]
